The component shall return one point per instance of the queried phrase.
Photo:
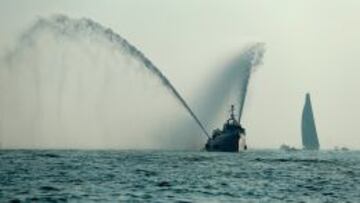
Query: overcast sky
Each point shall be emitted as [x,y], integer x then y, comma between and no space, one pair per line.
[312,46]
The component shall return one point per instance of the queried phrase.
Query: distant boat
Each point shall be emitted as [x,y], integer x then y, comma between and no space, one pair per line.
[288,148]
[345,149]
[310,139]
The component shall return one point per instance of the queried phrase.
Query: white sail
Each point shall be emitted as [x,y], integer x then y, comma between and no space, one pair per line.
[308,129]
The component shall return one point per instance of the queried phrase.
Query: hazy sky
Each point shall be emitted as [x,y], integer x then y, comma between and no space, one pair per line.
[312,46]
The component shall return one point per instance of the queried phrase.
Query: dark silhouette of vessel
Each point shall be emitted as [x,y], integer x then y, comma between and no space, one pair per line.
[309,135]
[227,139]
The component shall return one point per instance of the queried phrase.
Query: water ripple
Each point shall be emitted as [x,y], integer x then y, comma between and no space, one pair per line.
[163,176]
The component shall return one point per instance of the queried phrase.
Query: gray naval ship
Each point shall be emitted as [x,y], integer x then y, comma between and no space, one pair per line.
[227,139]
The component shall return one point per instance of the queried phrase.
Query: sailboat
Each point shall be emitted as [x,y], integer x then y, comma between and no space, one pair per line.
[310,139]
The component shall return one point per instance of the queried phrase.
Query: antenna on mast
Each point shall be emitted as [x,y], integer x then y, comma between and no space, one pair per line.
[232,114]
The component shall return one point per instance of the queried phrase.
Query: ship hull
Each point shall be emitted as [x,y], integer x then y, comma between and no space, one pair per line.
[226,142]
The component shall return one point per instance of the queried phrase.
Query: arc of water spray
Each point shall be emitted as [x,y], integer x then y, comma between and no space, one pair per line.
[63,25]
[253,56]
[242,97]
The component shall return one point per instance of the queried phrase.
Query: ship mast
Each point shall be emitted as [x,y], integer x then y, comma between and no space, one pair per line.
[232,115]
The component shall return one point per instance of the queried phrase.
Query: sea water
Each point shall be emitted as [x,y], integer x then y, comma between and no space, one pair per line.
[179,176]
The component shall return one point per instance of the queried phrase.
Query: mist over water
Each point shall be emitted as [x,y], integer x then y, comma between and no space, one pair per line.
[68,77]
[72,83]
[230,85]
[247,62]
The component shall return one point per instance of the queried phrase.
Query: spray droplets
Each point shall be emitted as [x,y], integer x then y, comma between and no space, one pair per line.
[76,81]
[247,62]
[51,93]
